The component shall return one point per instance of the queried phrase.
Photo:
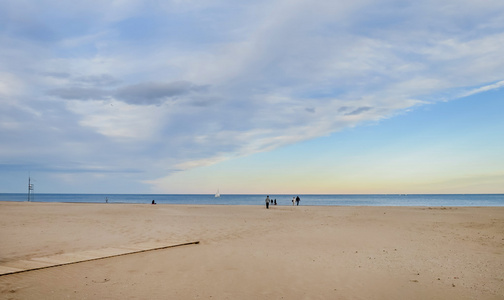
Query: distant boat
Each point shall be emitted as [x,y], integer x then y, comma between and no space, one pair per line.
[217,195]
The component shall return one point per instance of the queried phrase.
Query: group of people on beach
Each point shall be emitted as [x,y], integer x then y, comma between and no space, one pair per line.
[268,201]
[274,202]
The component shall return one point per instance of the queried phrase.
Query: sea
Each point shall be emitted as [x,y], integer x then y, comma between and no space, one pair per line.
[256,199]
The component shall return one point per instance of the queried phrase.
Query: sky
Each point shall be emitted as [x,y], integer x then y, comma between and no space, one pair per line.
[252,97]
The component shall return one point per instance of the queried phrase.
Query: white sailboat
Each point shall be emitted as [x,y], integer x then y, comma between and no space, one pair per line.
[217,195]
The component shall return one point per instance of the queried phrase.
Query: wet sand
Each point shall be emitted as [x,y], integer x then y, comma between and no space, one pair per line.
[248,252]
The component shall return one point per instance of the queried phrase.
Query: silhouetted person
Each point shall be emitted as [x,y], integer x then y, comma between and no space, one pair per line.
[267,202]
[297,200]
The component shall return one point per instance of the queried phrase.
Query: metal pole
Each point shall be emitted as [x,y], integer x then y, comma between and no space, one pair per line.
[30,188]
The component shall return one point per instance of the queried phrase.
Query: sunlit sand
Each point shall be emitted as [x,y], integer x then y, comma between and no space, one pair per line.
[248,252]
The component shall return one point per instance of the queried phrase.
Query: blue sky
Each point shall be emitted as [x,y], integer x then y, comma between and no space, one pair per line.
[252,97]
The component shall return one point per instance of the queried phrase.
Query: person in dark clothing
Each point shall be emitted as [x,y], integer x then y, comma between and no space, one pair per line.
[267,202]
[297,200]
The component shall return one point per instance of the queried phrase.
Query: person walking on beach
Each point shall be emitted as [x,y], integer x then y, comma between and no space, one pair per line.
[267,202]
[293,200]
[297,200]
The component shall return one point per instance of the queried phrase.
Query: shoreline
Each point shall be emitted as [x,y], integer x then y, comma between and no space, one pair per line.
[256,205]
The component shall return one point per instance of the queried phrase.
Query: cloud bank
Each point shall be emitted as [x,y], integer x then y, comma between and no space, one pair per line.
[164,87]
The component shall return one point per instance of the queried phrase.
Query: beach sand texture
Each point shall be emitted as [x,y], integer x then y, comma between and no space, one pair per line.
[248,252]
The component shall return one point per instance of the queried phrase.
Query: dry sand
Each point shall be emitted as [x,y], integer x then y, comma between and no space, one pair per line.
[248,252]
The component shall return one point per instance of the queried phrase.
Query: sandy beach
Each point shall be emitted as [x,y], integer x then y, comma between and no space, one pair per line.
[248,252]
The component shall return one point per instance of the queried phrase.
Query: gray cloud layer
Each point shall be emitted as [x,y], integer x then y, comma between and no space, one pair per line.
[147,93]
[79,93]
[154,92]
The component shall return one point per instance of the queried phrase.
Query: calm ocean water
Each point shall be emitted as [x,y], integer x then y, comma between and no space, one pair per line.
[344,200]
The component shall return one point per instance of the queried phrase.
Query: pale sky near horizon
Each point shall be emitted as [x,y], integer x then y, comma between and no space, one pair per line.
[293,97]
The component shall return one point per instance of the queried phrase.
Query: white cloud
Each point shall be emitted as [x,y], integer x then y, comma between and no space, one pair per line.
[10,86]
[119,120]
[485,88]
